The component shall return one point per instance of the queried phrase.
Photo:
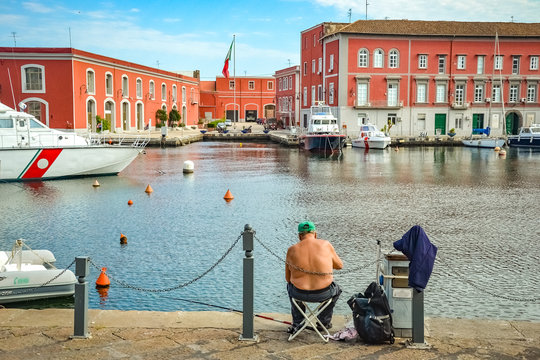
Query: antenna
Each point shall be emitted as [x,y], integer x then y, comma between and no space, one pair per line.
[289,60]
[14,35]
[69,29]
[349,13]
[366,8]
[157,63]
[512,17]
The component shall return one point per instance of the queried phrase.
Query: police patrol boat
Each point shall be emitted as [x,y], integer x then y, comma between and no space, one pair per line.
[371,138]
[323,130]
[29,150]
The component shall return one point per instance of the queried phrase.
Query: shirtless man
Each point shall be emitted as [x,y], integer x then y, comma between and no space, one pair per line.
[311,255]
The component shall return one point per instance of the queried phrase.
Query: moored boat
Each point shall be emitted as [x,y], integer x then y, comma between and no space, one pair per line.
[529,136]
[31,275]
[29,150]
[371,138]
[483,140]
[323,130]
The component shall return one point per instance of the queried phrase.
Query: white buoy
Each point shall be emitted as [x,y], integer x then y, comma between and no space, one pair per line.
[188,167]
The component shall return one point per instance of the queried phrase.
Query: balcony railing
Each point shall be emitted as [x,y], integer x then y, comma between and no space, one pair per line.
[378,104]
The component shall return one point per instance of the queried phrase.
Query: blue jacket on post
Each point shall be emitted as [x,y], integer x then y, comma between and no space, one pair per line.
[421,254]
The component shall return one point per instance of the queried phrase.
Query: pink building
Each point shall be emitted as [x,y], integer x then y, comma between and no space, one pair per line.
[423,77]
[67,88]
[288,96]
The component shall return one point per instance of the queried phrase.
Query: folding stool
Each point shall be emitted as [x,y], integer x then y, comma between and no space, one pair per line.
[310,317]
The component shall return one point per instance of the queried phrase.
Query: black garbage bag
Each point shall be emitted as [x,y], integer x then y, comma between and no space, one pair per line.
[372,316]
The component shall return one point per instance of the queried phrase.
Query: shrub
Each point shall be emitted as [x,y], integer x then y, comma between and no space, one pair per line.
[161,118]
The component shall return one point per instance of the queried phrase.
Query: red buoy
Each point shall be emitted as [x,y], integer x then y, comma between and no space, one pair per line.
[103,279]
[123,239]
[228,196]
[130,202]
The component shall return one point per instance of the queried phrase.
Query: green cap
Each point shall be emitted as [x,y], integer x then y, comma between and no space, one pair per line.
[306,226]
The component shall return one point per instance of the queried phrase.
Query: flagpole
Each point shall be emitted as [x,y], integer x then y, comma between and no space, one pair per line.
[234,76]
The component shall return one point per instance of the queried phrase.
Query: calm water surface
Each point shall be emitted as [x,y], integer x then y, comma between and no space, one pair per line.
[482,211]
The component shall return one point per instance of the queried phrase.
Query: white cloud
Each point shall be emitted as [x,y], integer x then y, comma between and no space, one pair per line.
[37,7]
[135,10]
[455,10]
[171,20]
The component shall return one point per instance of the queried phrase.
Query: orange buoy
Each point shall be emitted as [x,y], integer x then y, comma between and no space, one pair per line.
[228,196]
[148,189]
[95,184]
[123,239]
[130,202]
[103,279]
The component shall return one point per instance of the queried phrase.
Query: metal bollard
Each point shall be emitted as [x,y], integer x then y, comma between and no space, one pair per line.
[418,317]
[81,299]
[248,266]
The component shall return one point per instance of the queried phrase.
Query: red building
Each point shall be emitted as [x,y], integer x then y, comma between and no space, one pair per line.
[423,77]
[238,99]
[288,96]
[67,88]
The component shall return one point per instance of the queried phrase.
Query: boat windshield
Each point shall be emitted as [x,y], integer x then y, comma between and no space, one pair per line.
[535,129]
[35,124]
[317,122]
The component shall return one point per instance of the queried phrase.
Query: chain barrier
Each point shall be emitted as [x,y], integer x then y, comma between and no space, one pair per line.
[341,272]
[362,267]
[30,290]
[176,287]
[472,284]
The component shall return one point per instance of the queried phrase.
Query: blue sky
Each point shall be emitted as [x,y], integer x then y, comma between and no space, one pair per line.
[189,35]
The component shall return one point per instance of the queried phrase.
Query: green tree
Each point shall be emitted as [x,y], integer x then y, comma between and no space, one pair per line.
[161,118]
[174,117]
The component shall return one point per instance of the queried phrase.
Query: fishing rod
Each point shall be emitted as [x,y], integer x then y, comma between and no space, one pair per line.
[229,309]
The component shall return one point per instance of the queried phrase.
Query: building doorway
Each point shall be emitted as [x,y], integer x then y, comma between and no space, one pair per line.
[513,123]
[251,115]
[91,115]
[478,121]
[440,124]
[109,115]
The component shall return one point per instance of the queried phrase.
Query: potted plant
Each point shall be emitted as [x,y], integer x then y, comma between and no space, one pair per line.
[452,132]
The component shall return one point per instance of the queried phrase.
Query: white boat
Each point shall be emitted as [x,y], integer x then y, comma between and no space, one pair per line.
[31,275]
[371,138]
[529,136]
[323,130]
[483,140]
[29,150]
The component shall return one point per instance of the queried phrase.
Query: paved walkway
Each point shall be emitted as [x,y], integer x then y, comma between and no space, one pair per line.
[45,334]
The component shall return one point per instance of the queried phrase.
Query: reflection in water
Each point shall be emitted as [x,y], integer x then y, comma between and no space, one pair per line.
[479,209]
[103,293]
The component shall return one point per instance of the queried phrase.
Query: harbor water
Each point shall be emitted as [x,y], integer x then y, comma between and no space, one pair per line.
[480,209]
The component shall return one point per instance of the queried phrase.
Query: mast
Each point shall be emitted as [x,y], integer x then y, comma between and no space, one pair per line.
[498,51]
[234,77]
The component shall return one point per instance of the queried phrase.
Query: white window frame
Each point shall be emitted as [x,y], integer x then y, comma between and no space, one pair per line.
[461,62]
[513,93]
[516,59]
[305,68]
[392,90]
[90,82]
[479,92]
[440,92]
[313,66]
[363,58]
[480,64]
[125,86]
[312,95]
[251,85]
[362,93]
[331,93]
[393,59]
[305,96]
[319,93]
[270,85]
[290,83]
[459,96]
[378,58]
[441,68]
[532,93]
[163,92]
[285,83]
[184,95]
[533,62]
[41,69]
[422,61]
[331,66]
[499,61]
[421,92]
[174,93]
[109,87]
[139,88]
[320,66]
[496,93]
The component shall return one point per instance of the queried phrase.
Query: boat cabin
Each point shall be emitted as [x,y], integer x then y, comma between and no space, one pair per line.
[322,121]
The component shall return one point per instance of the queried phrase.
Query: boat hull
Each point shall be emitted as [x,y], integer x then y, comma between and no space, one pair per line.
[17,286]
[21,164]
[483,143]
[324,142]
[524,141]
[371,143]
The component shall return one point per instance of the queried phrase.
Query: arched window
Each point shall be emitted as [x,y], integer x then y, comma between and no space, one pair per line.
[90,82]
[174,93]
[163,92]
[393,59]
[378,56]
[184,94]
[363,56]
[125,86]
[139,89]
[152,90]
[109,84]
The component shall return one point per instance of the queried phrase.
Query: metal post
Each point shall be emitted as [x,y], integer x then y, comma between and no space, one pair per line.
[81,299]
[418,318]
[248,317]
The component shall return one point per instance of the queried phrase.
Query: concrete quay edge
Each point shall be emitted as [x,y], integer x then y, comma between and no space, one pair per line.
[215,335]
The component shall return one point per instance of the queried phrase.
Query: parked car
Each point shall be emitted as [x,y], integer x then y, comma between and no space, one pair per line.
[260,121]
[221,126]
[228,122]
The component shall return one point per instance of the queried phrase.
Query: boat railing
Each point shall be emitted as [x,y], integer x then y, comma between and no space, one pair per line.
[37,140]
[138,141]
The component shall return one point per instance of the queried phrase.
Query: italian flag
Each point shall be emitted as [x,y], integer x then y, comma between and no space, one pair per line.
[225,70]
